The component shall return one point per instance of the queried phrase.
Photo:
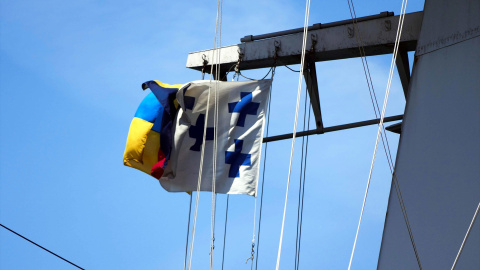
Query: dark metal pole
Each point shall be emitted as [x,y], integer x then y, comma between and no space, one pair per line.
[333,128]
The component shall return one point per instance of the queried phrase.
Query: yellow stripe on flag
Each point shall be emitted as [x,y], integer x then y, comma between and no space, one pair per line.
[165,85]
[142,147]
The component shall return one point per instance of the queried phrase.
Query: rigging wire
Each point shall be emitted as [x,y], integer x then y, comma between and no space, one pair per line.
[385,143]
[228,71]
[466,236]
[291,69]
[218,44]
[252,257]
[300,181]
[392,68]
[51,252]
[270,70]
[225,231]
[300,80]
[188,232]
[202,154]
[199,182]
[303,190]
[263,179]
[212,247]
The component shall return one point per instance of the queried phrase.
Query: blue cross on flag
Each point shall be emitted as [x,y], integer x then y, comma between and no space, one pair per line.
[241,116]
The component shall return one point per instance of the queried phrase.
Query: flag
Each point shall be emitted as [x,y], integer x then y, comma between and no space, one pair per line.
[149,139]
[241,113]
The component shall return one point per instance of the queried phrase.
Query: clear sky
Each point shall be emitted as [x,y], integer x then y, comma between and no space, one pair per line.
[70,77]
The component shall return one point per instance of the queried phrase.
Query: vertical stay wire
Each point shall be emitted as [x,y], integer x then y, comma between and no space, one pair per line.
[263,180]
[371,90]
[272,69]
[303,191]
[218,42]
[188,232]
[300,80]
[225,231]
[252,257]
[385,143]
[466,236]
[202,154]
[387,92]
[300,181]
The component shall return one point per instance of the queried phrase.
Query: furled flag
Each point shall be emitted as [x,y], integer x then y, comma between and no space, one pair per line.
[241,112]
[149,140]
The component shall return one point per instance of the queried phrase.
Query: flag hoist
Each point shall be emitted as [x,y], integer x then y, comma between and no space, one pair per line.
[170,132]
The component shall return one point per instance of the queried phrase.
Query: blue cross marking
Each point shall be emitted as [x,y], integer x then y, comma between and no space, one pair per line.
[196,132]
[237,159]
[244,107]
[189,102]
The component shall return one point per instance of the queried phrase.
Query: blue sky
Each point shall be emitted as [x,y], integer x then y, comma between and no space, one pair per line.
[70,77]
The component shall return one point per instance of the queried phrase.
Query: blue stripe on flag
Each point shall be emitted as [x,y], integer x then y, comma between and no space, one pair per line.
[149,108]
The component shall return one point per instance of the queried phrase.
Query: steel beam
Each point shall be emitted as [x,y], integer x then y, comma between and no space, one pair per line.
[331,129]
[314,27]
[335,42]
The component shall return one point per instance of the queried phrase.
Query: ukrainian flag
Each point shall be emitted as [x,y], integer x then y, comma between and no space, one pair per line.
[149,141]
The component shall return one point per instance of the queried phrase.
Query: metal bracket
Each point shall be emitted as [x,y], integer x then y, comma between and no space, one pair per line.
[403,68]
[277,44]
[310,75]
[335,43]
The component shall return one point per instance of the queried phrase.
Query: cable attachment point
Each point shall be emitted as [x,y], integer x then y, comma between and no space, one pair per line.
[237,66]
[350,32]
[212,247]
[240,58]
[276,43]
[313,37]
[253,253]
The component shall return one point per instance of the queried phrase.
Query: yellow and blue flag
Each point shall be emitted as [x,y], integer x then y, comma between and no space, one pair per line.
[149,141]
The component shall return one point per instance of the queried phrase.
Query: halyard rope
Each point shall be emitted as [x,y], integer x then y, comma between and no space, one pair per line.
[199,182]
[466,236]
[225,231]
[383,135]
[263,179]
[380,125]
[252,257]
[218,43]
[299,92]
[188,232]
[301,189]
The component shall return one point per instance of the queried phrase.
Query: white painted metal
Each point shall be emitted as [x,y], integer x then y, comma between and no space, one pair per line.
[438,161]
[338,42]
